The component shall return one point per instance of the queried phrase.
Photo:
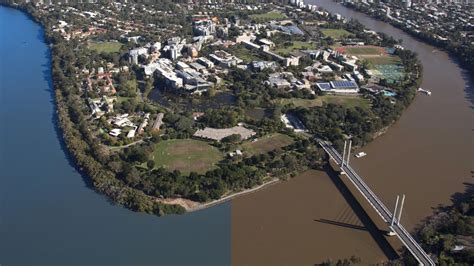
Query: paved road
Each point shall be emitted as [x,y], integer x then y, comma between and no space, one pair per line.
[379,207]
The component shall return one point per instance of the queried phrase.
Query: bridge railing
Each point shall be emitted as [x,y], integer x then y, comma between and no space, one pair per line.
[406,238]
[327,148]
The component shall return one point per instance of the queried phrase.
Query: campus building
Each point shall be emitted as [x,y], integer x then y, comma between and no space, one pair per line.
[339,86]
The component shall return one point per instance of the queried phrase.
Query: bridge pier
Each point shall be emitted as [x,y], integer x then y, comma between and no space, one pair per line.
[396,211]
[355,184]
[336,167]
[378,228]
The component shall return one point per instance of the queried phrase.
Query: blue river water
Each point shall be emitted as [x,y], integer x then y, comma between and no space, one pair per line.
[48,215]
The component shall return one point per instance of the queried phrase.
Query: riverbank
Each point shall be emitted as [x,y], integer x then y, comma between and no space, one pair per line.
[419,142]
[48,214]
[192,206]
[77,149]
[91,159]
[426,155]
[63,126]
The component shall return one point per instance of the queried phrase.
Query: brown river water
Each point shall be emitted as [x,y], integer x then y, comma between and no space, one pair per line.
[428,155]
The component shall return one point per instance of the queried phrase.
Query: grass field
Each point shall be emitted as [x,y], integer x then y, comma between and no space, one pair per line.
[363,50]
[105,47]
[335,33]
[297,45]
[349,101]
[272,15]
[266,143]
[391,72]
[386,67]
[243,53]
[186,155]
[383,60]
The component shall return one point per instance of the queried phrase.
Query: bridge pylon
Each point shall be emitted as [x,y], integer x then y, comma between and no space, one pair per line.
[394,215]
[346,155]
[391,219]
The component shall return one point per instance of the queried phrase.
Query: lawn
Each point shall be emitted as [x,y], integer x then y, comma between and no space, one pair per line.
[349,101]
[243,53]
[105,47]
[266,143]
[186,155]
[391,73]
[383,60]
[296,45]
[335,33]
[362,50]
[387,67]
[297,102]
[272,15]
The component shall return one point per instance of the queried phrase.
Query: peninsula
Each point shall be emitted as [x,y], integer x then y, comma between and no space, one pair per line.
[169,106]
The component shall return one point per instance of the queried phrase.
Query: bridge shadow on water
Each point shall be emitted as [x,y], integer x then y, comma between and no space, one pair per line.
[346,225]
[367,223]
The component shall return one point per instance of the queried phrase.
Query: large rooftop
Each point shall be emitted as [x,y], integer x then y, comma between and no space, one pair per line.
[220,133]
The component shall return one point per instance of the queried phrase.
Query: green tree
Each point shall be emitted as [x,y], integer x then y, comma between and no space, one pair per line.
[234,138]
[150,164]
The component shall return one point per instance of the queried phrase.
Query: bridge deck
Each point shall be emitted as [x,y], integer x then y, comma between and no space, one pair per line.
[407,240]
